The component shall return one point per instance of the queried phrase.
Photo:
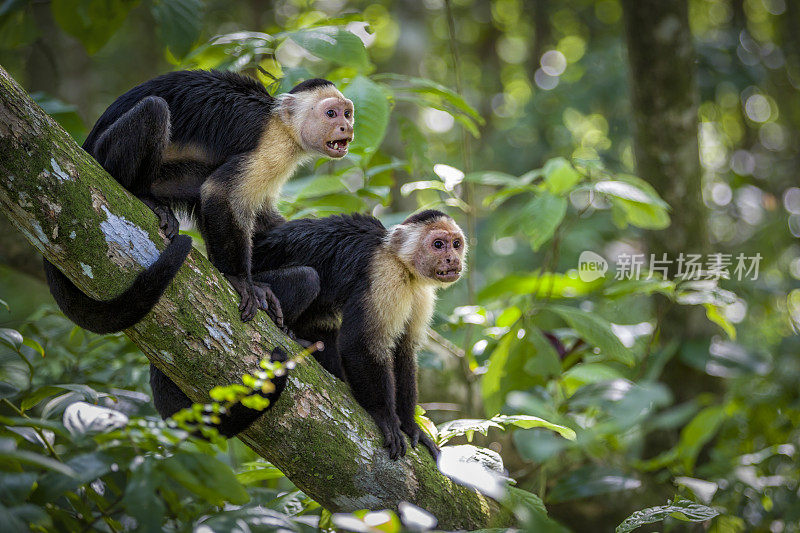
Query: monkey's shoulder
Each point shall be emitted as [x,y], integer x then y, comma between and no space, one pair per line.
[201,104]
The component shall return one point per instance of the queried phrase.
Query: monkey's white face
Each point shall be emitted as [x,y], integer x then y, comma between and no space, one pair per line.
[330,128]
[434,249]
[440,254]
[322,119]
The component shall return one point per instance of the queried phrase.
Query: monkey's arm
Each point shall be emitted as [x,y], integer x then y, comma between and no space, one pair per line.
[366,358]
[228,235]
[405,372]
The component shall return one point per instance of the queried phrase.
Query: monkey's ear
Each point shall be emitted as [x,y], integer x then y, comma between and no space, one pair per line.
[287,106]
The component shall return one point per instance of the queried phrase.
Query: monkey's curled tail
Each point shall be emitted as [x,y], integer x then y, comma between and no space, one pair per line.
[122,312]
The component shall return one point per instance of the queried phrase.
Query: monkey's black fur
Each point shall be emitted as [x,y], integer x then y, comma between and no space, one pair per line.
[220,114]
[327,302]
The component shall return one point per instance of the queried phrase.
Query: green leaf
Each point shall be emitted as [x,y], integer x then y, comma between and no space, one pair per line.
[87,467]
[528,422]
[541,217]
[92,22]
[145,495]
[37,460]
[640,215]
[248,477]
[560,176]
[635,202]
[684,510]
[591,481]
[17,26]
[322,185]
[585,373]
[717,316]
[371,102]
[207,477]
[430,87]
[553,284]
[15,487]
[179,24]
[544,361]
[408,188]
[334,45]
[11,338]
[696,434]
[500,377]
[508,317]
[464,426]
[493,177]
[24,518]
[40,394]
[645,287]
[595,331]
[517,497]
[30,343]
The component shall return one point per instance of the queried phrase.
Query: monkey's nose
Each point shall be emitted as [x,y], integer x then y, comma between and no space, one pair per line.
[341,128]
[447,259]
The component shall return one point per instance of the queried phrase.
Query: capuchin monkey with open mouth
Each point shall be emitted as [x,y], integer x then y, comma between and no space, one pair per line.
[368,294]
[218,146]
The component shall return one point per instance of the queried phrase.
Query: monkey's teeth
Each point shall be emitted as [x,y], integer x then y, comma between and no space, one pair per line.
[335,146]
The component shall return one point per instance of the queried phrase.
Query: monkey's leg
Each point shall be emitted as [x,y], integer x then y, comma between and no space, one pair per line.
[405,373]
[131,150]
[294,288]
[328,357]
[367,360]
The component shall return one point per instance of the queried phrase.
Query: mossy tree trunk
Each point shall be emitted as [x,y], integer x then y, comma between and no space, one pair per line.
[100,236]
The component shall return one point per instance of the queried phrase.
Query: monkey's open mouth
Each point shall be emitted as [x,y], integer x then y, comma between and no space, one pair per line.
[448,275]
[337,147]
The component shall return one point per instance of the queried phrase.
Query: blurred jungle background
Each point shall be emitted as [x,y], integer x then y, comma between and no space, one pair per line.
[547,129]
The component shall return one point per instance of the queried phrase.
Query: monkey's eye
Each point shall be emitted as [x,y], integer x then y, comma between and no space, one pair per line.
[456,244]
[347,114]
[331,113]
[438,244]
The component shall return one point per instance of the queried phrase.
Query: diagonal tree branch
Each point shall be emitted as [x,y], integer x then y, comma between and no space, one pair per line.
[100,236]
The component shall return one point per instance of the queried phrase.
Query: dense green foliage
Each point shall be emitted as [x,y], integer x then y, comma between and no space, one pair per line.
[624,401]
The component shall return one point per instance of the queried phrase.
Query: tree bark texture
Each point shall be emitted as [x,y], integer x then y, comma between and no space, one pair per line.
[100,236]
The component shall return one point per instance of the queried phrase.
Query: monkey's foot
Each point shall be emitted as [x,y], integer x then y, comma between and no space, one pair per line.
[268,302]
[393,438]
[417,435]
[167,220]
[249,304]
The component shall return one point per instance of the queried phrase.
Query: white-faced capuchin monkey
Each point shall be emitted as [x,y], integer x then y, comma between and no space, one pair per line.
[218,146]
[368,294]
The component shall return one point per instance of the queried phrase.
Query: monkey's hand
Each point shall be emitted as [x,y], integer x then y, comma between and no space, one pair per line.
[393,438]
[417,435]
[267,301]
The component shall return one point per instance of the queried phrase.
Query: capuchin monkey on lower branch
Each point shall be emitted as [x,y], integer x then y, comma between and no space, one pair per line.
[368,293]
